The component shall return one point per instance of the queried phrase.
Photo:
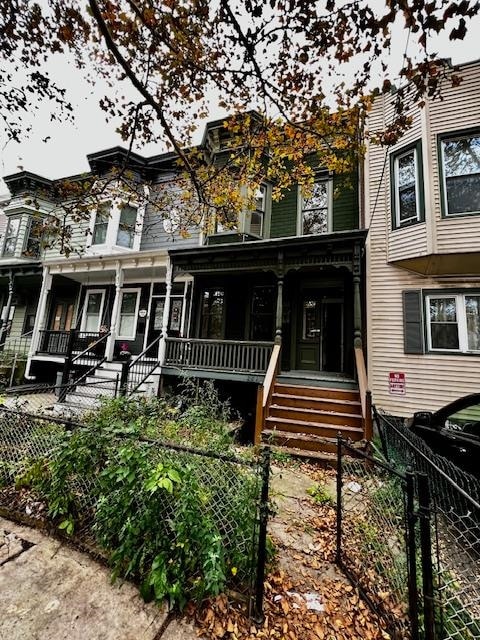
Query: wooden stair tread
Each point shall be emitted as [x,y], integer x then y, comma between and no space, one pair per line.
[317,412]
[316,425]
[315,389]
[316,399]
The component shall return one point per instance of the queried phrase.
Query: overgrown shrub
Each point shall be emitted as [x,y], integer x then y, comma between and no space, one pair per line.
[180,523]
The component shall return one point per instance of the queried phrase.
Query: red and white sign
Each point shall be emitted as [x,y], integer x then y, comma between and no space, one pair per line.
[396,383]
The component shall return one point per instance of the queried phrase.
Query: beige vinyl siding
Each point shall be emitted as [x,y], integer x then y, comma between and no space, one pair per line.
[408,242]
[432,380]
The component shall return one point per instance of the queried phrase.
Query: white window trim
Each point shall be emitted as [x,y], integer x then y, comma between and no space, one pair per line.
[88,292]
[110,245]
[138,291]
[461,321]
[5,238]
[406,223]
[301,198]
[443,140]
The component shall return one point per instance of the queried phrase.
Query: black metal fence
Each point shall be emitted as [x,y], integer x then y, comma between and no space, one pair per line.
[108,492]
[450,544]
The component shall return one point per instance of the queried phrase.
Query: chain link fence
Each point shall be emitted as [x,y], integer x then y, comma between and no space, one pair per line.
[453,538]
[374,526]
[183,523]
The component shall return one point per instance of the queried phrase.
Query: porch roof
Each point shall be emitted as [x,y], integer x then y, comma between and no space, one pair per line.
[339,249]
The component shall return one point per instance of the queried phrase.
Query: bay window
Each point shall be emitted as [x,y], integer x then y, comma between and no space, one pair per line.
[115,226]
[453,322]
[460,164]
[100,226]
[258,215]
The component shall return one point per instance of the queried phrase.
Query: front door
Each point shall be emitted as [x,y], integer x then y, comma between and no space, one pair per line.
[320,333]
[62,316]
[156,318]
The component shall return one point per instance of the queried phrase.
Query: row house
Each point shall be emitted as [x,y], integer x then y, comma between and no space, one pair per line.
[422,203]
[274,303]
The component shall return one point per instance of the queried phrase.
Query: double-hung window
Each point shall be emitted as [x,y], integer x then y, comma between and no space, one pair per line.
[33,243]
[11,236]
[126,227]
[128,314]
[258,215]
[453,322]
[407,188]
[315,209]
[460,157]
[100,226]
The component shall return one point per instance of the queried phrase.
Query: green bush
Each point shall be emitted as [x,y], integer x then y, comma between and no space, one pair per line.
[181,524]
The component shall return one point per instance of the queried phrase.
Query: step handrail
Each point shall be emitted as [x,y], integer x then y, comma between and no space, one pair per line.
[265,391]
[137,361]
[365,393]
[91,346]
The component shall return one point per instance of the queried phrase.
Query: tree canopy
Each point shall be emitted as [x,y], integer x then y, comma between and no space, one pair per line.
[307,69]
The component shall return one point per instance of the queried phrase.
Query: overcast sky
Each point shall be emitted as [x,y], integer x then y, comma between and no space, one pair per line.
[64,152]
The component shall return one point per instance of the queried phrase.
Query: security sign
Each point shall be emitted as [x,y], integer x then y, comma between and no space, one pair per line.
[396,383]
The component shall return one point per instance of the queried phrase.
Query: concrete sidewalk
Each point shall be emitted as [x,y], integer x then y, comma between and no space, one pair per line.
[49,591]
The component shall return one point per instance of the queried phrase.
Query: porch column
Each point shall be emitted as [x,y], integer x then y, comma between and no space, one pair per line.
[6,311]
[279,314]
[110,346]
[40,318]
[357,303]
[166,313]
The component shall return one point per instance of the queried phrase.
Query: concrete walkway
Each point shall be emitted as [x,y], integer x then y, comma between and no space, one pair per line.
[49,591]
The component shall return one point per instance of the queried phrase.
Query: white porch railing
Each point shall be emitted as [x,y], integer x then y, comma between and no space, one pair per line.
[226,355]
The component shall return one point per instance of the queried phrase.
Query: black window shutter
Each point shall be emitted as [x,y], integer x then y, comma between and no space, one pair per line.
[413,322]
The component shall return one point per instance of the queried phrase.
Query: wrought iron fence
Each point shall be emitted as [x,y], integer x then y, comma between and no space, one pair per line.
[453,538]
[185,514]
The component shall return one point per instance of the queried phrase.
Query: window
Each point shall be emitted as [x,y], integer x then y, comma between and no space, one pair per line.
[315,209]
[461,174]
[258,215]
[263,313]
[453,322]
[126,227]
[11,237]
[213,306]
[100,227]
[127,323]
[406,188]
[93,309]
[33,244]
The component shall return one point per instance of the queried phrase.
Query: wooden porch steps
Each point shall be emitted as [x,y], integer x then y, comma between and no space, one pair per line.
[309,419]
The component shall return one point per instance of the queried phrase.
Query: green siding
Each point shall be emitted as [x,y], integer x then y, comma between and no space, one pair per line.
[284,215]
[345,203]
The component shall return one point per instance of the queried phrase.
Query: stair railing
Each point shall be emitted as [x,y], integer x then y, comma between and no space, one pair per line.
[265,392]
[66,385]
[144,367]
[365,394]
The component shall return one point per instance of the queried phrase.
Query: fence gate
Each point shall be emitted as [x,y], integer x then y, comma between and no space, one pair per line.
[377,514]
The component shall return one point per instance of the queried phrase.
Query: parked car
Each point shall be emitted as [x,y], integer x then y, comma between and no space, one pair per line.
[453,431]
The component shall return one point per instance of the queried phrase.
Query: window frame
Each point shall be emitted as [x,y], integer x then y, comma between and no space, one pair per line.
[328,179]
[7,237]
[33,220]
[202,316]
[138,291]
[441,139]
[88,292]
[132,231]
[461,313]
[110,244]
[416,148]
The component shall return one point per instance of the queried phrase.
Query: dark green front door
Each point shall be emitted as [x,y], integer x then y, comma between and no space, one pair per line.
[320,333]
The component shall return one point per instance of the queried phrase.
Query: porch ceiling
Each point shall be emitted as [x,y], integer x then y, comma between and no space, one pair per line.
[135,266]
[280,254]
[448,264]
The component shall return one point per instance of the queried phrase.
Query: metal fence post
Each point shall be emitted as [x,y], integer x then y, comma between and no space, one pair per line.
[262,537]
[424,505]
[124,376]
[338,555]
[411,549]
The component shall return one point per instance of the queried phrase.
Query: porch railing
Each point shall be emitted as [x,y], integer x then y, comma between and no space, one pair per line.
[59,343]
[228,355]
